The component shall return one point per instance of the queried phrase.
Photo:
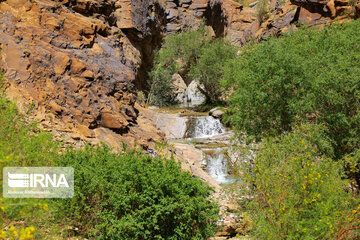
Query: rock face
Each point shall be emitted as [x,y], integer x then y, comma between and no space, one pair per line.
[80,62]
[171,124]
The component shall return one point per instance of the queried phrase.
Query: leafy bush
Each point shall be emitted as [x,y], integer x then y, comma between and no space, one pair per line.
[193,54]
[306,75]
[299,192]
[134,196]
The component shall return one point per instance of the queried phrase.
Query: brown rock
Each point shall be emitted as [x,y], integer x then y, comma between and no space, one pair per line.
[308,18]
[113,121]
[123,15]
[85,131]
[77,66]
[87,74]
[55,108]
[62,61]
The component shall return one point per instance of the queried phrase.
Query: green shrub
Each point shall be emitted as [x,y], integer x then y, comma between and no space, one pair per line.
[309,75]
[21,142]
[262,10]
[134,196]
[298,191]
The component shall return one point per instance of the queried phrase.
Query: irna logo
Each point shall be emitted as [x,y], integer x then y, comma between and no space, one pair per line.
[38,182]
[35,180]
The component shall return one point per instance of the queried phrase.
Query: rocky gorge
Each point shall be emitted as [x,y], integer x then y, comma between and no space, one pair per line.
[78,66]
[80,63]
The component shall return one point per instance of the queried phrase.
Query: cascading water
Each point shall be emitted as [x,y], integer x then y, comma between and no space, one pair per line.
[215,162]
[205,133]
[204,127]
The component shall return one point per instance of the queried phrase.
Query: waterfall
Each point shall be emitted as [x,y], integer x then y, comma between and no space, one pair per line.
[203,127]
[215,163]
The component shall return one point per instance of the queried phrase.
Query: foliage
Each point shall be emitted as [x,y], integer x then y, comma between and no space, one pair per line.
[21,144]
[299,191]
[135,196]
[208,68]
[304,76]
[178,52]
[193,54]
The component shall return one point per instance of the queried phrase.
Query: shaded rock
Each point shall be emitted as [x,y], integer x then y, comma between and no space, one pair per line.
[179,88]
[309,18]
[193,94]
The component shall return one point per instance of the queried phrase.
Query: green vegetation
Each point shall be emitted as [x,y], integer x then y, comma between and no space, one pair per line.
[299,191]
[194,54]
[208,68]
[262,10]
[117,196]
[304,76]
[134,196]
[23,144]
[298,96]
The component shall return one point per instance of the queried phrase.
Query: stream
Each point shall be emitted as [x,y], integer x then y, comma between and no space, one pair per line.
[206,133]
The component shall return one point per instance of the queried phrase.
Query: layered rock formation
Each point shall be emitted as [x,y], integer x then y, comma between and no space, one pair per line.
[80,63]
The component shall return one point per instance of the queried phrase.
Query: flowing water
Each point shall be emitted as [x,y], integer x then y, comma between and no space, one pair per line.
[204,127]
[205,132]
[216,163]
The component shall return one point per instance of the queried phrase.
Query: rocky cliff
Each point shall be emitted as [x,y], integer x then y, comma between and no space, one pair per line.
[77,65]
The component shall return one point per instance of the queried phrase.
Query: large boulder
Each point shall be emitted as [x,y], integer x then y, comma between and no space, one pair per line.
[179,88]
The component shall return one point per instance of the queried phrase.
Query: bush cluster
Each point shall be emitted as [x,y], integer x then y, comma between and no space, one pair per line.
[117,196]
[307,75]
[21,144]
[298,97]
[135,196]
[299,191]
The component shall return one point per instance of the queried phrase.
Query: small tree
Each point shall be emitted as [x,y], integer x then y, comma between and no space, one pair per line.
[310,75]
[209,67]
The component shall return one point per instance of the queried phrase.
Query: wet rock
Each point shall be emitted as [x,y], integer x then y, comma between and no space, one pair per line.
[190,161]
